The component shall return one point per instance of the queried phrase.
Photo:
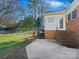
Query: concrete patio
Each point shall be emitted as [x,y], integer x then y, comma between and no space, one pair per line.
[42,49]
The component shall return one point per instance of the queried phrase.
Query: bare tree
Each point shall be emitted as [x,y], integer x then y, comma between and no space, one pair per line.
[8,8]
[36,8]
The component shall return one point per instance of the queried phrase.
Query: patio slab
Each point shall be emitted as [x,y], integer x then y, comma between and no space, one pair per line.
[42,49]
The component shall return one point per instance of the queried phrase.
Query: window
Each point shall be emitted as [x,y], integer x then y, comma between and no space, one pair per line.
[69,17]
[74,14]
[61,23]
[50,19]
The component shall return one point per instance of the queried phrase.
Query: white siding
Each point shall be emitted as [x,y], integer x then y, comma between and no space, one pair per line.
[72,6]
[54,23]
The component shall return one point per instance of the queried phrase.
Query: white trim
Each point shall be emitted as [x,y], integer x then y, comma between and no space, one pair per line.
[72,7]
[64,24]
[54,25]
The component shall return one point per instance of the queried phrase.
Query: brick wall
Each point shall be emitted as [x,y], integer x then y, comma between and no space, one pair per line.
[74,26]
[50,34]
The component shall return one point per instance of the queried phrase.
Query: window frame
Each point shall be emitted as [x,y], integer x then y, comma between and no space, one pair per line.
[69,16]
[74,14]
[61,23]
[64,23]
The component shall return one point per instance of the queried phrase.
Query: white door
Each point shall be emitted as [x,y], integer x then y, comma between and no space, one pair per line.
[61,23]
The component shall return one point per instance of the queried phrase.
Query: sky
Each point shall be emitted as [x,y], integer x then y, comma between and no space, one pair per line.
[54,5]
[57,5]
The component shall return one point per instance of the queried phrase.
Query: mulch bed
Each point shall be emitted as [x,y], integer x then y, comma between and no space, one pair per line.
[19,52]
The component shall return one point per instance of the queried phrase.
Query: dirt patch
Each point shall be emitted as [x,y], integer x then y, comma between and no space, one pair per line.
[18,52]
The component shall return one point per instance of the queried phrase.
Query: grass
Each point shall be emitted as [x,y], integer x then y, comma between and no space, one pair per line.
[8,41]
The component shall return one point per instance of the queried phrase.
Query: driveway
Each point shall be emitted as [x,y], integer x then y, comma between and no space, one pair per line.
[42,49]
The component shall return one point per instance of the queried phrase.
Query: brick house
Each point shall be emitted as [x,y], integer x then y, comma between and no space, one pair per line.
[67,20]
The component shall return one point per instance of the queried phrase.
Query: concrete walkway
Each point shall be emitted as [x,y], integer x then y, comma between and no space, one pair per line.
[42,49]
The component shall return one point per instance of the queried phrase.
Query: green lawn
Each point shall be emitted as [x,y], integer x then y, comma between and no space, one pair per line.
[8,41]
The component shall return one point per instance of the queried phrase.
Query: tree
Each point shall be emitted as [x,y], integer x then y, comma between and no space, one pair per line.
[9,6]
[9,10]
[27,23]
[36,8]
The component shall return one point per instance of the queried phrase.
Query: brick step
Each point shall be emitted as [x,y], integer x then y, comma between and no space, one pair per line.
[67,38]
[66,34]
[70,45]
[67,42]
[70,40]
